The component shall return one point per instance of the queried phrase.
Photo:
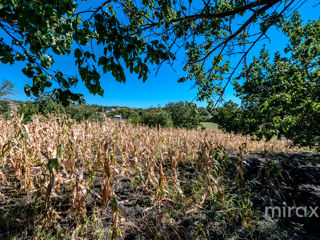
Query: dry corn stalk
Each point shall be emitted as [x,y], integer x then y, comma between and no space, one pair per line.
[83,147]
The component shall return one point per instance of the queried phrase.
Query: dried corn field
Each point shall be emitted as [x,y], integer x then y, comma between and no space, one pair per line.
[62,179]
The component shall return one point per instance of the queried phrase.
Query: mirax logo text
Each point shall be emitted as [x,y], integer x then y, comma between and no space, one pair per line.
[287,211]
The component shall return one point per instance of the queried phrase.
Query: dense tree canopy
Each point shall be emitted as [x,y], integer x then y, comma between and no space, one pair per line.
[183,114]
[133,35]
[281,94]
[230,117]
[156,117]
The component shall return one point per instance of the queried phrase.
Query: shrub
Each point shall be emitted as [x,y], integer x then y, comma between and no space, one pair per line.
[84,112]
[135,118]
[156,117]
[183,114]
[47,104]
[204,115]
[229,117]
[4,109]
[28,110]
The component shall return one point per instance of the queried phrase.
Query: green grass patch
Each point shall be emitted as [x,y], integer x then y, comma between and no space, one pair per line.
[209,125]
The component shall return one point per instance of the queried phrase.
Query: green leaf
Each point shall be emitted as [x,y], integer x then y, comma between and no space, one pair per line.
[15,3]
[25,136]
[77,53]
[52,163]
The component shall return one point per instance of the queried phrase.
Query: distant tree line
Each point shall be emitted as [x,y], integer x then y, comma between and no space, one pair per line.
[46,105]
[180,114]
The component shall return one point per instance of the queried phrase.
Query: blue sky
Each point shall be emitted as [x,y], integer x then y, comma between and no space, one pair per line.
[158,89]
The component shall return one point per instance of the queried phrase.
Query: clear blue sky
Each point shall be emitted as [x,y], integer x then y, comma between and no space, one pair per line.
[158,89]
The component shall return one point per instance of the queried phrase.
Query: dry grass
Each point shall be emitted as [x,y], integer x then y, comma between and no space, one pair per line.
[62,169]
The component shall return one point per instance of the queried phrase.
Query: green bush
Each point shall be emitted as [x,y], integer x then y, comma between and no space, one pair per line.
[84,112]
[229,117]
[4,109]
[156,117]
[135,118]
[47,104]
[183,114]
[204,114]
[28,110]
